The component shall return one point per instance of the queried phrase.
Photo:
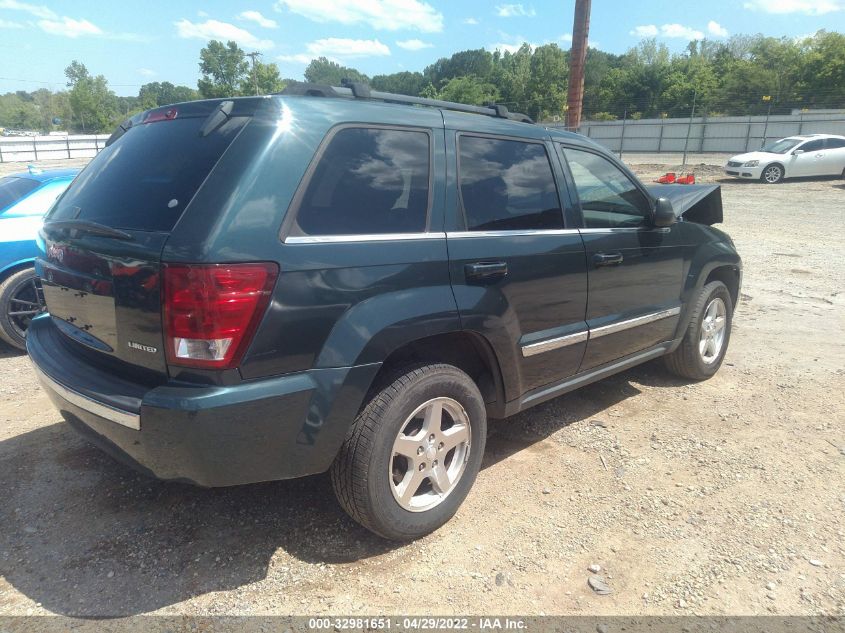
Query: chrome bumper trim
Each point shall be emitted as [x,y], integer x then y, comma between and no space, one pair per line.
[118,416]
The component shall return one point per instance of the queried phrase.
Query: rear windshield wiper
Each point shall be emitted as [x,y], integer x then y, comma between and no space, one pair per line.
[86,226]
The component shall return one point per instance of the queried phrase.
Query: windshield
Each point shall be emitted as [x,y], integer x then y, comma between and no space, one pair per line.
[782,146]
[146,178]
[13,189]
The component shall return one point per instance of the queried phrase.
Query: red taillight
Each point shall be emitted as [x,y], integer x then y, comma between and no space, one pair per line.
[164,114]
[212,310]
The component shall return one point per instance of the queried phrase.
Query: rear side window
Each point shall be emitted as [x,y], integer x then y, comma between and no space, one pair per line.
[146,178]
[38,202]
[609,198]
[13,189]
[507,185]
[835,143]
[368,181]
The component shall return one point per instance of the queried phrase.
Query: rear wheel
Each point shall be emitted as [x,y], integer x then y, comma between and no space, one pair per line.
[21,300]
[772,174]
[413,452]
[705,342]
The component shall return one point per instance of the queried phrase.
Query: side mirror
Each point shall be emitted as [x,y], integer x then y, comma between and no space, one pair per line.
[663,213]
[797,151]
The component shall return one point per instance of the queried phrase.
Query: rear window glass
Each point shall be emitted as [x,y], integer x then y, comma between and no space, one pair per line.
[13,189]
[368,181]
[507,186]
[146,178]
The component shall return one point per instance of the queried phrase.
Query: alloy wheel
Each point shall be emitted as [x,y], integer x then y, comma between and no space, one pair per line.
[712,337]
[772,174]
[429,454]
[26,303]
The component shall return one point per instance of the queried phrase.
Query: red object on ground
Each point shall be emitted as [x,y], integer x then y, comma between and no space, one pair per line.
[667,179]
[689,179]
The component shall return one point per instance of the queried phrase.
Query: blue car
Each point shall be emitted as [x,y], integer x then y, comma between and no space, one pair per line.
[24,199]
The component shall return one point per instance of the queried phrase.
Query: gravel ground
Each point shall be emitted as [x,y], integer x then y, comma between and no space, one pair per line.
[722,497]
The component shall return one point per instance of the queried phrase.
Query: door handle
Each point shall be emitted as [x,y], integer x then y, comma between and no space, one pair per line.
[486,270]
[607,259]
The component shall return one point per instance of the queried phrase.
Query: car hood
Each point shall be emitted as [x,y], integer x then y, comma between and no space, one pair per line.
[761,156]
[696,203]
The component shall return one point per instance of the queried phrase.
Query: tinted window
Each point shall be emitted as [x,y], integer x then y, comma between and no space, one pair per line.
[812,146]
[507,186]
[609,198]
[38,202]
[368,181]
[146,178]
[835,143]
[13,189]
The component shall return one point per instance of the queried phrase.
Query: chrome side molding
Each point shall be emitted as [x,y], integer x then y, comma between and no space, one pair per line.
[554,343]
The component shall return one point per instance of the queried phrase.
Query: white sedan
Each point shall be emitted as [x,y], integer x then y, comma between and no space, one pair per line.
[792,157]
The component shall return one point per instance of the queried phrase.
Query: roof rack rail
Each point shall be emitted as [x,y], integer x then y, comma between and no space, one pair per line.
[359,90]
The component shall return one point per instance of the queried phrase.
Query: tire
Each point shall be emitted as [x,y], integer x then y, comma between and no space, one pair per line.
[19,292]
[693,358]
[368,475]
[772,174]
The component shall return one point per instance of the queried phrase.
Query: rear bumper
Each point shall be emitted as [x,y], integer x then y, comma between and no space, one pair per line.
[261,430]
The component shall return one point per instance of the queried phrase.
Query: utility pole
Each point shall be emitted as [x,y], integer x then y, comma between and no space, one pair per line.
[252,56]
[577,59]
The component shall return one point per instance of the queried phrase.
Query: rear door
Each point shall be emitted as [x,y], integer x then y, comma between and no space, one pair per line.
[517,269]
[103,238]
[809,161]
[833,160]
[635,270]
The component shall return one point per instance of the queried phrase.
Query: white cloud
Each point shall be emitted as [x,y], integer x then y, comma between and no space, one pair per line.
[216,30]
[258,18]
[514,11]
[6,24]
[646,30]
[68,27]
[566,37]
[413,45]
[808,7]
[146,72]
[344,47]
[681,32]
[471,21]
[389,15]
[299,58]
[675,31]
[39,11]
[716,29]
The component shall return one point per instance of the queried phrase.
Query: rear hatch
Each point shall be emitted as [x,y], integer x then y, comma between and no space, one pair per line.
[102,241]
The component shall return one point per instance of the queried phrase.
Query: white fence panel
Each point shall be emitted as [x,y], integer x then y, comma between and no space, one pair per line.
[34,148]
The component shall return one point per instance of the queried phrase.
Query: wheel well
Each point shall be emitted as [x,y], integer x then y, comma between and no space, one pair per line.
[467,351]
[11,270]
[728,275]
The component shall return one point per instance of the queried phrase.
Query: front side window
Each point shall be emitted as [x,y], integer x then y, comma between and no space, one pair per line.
[507,185]
[368,181]
[812,146]
[609,198]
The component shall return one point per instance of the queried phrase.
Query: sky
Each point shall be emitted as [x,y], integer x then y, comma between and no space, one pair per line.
[158,40]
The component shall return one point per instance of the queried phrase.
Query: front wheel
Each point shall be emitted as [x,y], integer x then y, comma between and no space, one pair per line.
[413,452]
[772,174]
[21,299]
[705,342]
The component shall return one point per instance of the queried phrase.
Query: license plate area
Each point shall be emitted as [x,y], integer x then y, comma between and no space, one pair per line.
[82,307]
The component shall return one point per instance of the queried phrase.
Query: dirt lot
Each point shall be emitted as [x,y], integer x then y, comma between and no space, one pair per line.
[725,497]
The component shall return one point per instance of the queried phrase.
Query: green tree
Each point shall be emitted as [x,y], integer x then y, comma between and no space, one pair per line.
[224,69]
[547,83]
[18,113]
[403,83]
[470,90]
[163,93]
[264,78]
[324,71]
[94,105]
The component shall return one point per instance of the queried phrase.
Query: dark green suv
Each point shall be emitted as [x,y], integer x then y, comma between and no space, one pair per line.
[336,279]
